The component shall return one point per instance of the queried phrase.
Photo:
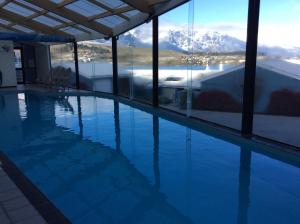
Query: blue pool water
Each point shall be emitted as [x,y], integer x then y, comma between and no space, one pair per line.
[101,161]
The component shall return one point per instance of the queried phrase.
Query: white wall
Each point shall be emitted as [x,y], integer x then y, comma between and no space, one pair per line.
[7,64]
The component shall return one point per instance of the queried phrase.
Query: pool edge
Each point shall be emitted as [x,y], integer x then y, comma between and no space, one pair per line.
[38,200]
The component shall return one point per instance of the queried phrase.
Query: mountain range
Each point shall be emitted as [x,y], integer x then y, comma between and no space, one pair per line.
[216,42]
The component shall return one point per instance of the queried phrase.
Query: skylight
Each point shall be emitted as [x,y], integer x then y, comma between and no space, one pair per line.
[23,29]
[85,8]
[47,21]
[18,9]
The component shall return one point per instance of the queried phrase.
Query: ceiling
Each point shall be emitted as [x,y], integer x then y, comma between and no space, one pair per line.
[79,19]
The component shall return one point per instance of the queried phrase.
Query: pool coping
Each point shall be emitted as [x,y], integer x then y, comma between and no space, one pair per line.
[38,200]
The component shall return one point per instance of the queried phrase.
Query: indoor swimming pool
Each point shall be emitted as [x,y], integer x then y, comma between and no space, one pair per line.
[100,160]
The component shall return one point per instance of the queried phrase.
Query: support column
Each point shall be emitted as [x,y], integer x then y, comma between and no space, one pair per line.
[155,62]
[250,67]
[76,64]
[115,65]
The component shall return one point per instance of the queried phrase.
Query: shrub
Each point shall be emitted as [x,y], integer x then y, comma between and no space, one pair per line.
[216,100]
[124,85]
[164,100]
[142,92]
[182,99]
[284,102]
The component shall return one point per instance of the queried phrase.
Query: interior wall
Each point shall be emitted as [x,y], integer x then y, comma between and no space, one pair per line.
[43,65]
[7,64]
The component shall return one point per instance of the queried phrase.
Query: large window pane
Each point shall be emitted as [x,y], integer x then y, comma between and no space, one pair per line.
[125,64]
[95,65]
[277,92]
[219,43]
[173,52]
[142,62]
[63,65]
[135,63]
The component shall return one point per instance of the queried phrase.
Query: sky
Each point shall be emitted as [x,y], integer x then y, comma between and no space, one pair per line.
[279,19]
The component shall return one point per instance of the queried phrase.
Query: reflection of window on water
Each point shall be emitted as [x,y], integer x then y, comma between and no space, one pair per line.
[22,106]
[2,103]
[18,61]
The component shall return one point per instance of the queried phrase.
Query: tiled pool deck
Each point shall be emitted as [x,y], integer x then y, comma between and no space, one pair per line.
[14,206]
[20,201]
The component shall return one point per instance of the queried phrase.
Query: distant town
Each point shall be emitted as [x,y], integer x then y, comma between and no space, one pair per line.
[143,56]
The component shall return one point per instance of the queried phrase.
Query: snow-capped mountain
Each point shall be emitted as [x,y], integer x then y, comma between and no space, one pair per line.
[133,40]
[181,41]
[207,42]
[216,42]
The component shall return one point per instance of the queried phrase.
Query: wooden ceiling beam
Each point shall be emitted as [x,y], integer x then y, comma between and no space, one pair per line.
[35,26]
[142,6]
[99,16]
[145,6]
[73,16]
[65,3]
[155,2]
[11,28]
[111,13]
[5,3]
[111,10]
[44,13]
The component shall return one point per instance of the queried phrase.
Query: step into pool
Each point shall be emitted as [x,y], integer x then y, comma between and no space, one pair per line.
[102,161]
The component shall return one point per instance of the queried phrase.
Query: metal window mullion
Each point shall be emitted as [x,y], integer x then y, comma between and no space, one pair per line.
[250,67]
[76,64]
[115,65]
[155,58]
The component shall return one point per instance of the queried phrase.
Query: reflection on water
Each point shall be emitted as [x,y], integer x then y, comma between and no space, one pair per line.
[100,161]
[244,183]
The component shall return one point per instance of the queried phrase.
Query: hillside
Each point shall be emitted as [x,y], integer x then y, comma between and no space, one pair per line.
[208,48]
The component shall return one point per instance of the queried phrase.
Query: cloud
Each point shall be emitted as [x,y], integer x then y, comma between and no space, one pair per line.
[285,35]
[270,34]
[282,35]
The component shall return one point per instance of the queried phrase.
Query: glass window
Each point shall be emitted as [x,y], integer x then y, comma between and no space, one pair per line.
[124,64]
[219,44]
[142,62]
[277,91]
[201,60]
[173,53]
[95,65]
[135,63]
[63,65]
